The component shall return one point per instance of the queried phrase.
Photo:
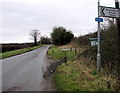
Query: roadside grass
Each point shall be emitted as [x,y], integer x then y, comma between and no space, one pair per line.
[76,75]
[17,52]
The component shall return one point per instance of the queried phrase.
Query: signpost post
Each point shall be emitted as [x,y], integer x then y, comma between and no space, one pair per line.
[98,48]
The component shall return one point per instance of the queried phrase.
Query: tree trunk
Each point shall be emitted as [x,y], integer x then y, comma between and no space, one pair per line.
[35,41]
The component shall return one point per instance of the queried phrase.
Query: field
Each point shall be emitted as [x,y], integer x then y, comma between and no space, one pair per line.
[14,46]
[18,51]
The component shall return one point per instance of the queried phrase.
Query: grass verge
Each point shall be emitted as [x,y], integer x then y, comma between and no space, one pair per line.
[76,75]
[16,52]
[57,53]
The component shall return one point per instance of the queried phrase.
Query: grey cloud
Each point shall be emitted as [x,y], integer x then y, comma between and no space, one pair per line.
[21,16]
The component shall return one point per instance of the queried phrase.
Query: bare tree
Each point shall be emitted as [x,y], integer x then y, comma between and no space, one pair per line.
[35,34]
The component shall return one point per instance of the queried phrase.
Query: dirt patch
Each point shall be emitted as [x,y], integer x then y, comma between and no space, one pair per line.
[52,66]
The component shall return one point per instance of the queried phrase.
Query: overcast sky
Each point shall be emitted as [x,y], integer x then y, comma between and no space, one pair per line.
[19,17]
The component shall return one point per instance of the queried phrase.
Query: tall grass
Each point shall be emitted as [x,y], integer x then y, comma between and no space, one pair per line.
[80,75]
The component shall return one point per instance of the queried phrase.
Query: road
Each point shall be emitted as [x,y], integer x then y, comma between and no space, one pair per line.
[25,72]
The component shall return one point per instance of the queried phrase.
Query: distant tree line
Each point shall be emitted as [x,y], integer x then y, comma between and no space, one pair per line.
[45,40]
[59,36]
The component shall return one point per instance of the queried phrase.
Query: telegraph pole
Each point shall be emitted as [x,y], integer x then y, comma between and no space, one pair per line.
[118,30]
[98,47]
[118,22]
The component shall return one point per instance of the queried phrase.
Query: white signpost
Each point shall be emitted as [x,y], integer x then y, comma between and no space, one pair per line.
[108,12]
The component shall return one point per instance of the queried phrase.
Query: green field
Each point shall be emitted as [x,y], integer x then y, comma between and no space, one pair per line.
[17,52]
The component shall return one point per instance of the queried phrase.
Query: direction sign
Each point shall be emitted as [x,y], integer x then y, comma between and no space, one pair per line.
[108,12]
[99,19]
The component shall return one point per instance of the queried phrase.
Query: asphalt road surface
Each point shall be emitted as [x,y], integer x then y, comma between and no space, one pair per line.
[25,72]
